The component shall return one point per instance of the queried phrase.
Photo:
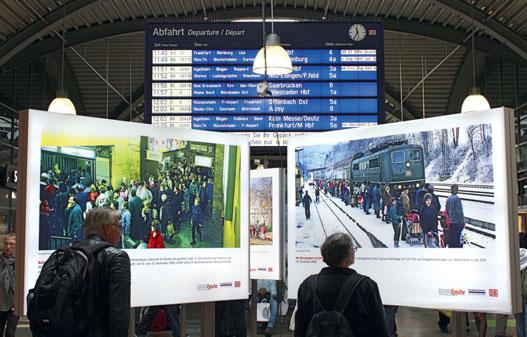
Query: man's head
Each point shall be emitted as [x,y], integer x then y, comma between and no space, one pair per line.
[104,222]
[454,189]
[338,250]
[9,245]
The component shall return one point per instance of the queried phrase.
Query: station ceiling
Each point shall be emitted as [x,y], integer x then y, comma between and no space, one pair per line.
[105,40]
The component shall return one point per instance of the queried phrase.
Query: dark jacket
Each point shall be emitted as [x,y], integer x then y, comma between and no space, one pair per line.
[365,312]
[111,309]
[394,216]
[455,210]
[135,206]
[428,217]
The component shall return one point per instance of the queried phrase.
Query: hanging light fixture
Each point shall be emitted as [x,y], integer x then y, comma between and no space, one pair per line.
[475,101]
[272,59]
[62,104]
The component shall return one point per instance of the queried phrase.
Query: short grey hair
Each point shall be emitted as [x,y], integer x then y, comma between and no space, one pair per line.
[96,218]
[336,249]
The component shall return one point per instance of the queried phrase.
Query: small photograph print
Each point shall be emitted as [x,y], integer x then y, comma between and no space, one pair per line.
[261,217]
[432,189]
[170,193]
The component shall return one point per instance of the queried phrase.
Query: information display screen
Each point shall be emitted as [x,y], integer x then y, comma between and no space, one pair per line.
[200,76]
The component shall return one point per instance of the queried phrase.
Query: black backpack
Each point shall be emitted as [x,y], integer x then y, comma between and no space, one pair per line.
[65,288]
[332,323]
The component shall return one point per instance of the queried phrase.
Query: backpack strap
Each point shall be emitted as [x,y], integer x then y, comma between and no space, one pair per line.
[312,285]
[347,290]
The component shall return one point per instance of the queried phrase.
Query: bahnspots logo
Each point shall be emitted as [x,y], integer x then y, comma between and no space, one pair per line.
[451,292]
[477,292]
[207,286]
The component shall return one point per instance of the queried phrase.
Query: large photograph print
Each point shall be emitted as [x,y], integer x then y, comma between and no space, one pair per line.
[429,189]
[170,192]
[266,224]
[429,204]
[182,195]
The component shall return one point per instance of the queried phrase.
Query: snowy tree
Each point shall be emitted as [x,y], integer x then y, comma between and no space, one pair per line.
[471,134]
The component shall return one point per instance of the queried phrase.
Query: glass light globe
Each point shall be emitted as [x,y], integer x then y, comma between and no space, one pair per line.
[475,102]
[278,61]
[62,104]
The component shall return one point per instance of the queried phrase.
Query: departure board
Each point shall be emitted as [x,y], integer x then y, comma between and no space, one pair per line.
[200,76]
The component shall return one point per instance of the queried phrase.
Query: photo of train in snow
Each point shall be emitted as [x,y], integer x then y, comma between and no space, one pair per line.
[376,189]
[395,163]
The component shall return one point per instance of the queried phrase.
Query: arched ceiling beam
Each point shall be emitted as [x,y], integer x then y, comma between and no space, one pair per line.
[463,81]
[489,24]
[52,68]
[122,109]
[41,27]
[436,31]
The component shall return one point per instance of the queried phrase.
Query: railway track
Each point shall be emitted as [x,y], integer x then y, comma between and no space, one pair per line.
[374,241]
[468,192]
[357,243]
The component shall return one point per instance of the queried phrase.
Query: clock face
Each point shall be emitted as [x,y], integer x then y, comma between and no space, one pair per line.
[357,32]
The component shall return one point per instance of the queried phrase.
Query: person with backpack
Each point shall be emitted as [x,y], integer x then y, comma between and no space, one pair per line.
[8,317]
[94,284]
[338,301]
[396,222]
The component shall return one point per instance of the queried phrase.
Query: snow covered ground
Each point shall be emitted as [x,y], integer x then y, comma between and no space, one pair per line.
[327,217]
[474,210]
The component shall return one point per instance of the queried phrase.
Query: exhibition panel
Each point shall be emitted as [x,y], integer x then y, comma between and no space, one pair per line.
[266,224]
[444,182]
[200,76]
[182,190]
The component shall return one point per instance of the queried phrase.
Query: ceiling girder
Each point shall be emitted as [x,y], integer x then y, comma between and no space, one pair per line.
[489,24]
[40,28]
[52,44]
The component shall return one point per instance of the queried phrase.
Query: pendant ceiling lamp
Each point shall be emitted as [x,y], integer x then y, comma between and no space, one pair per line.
[272,59]
[62,104]
[475,101]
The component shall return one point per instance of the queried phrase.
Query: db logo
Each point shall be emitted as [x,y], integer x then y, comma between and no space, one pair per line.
[493,292]
[237,284]
[270,269]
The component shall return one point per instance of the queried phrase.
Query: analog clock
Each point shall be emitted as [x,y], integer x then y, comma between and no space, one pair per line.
[357,32]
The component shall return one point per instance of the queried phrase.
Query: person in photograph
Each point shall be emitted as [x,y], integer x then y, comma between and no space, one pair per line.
[396,222]
[405,201]
[74,213]
[135,206]
[8,318]
[366,198]
[387,203]
[306,202]
[317,195]
[363,309]
[420,195]
[376,196]
[196,221]
[456,217]
[428,217]
[210,195]
[126,221]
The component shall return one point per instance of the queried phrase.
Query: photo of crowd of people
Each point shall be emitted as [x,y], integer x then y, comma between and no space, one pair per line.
[261,217]
[432,189]
[171,193]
